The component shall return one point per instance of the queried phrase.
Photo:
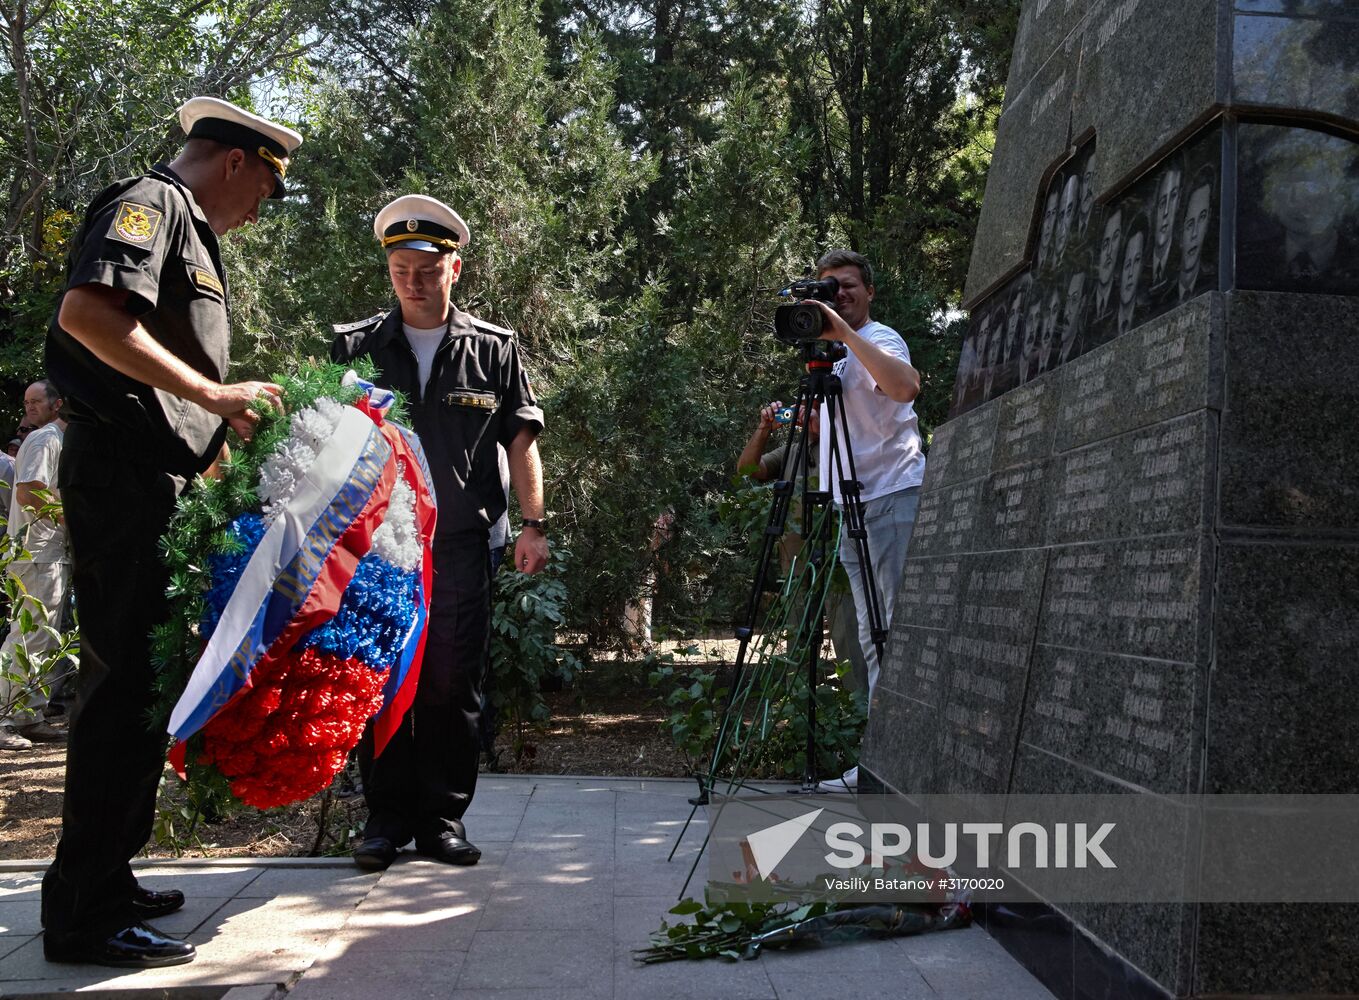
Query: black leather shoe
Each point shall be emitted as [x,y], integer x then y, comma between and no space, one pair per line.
[451,849]
[149,904]
[375,854]
[140,946]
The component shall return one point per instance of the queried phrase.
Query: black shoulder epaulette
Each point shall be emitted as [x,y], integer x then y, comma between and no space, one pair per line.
[366,325]
[482,325]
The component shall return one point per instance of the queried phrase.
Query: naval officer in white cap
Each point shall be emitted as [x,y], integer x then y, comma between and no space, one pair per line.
[468,393]
[139,347]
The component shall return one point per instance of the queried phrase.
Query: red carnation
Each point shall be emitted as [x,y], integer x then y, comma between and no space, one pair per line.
[287,737]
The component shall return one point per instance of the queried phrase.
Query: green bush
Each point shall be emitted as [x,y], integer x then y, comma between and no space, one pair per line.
[525,616]
[697,699]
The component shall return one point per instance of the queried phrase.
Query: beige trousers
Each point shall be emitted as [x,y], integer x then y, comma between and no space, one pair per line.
[47,583]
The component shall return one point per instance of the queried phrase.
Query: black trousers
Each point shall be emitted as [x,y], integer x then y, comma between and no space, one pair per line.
[426,776]
[115,514]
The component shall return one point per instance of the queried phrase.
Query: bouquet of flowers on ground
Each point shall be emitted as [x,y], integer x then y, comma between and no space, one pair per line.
[300,582]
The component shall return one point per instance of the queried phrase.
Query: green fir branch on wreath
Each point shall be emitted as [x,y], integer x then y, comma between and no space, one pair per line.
[198,531]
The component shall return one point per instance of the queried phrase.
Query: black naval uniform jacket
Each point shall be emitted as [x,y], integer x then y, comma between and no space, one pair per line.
[148,237]
[478,395]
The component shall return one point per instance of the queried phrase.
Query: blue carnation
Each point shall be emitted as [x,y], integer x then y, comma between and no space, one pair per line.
[374,619]
[225,569]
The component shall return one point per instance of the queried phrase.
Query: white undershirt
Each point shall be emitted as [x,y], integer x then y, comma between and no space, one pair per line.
[424,343]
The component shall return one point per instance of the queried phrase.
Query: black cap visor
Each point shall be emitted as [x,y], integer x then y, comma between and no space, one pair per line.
[252,141]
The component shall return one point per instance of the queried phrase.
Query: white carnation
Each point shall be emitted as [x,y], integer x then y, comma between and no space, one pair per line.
[397,540]
[282,472]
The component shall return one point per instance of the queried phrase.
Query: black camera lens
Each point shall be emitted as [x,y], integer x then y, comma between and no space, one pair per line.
[798,323]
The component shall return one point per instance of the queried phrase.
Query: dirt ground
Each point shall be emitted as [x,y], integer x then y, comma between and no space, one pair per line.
[608,725]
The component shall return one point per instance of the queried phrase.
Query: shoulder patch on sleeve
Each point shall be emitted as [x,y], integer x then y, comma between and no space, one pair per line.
[372,322]
[135,224]
[485,327]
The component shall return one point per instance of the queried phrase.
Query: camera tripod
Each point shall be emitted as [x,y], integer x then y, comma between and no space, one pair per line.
[747,718]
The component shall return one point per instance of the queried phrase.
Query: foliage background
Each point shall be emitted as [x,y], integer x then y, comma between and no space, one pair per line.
[639,177]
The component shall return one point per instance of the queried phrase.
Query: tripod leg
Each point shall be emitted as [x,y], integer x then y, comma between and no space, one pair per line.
[855,527]
[795,459]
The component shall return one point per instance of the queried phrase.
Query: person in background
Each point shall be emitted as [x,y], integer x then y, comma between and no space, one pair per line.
[880,387]
[45,574]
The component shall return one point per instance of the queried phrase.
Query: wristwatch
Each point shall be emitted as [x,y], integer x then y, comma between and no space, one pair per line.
[535,522]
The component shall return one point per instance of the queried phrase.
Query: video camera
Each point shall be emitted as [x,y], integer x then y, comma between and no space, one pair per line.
[802,322]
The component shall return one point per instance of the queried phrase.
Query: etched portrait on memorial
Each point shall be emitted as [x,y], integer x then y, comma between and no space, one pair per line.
[995,355]
[1107,251]
[1047,228]
[1066,217]
[1008,374]
[1165,214]
[1073,319]
[1130,274]
[1087,210]
[1047,333]
[1033,325]
[971,361]
[1198,231]
[1298,211]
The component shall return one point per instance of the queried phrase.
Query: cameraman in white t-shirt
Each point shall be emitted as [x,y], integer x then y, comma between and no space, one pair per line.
[879,391]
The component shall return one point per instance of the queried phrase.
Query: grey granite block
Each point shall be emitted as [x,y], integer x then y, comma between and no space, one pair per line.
[220,882]
[900,742]
[1147,71]
[1298,63]
[1332,9]
[1013,506]
[1031,137]
[863,984]
[423,975]
[1152,481]
[1132,718]
[967,962]
[961,449]
[1043,26]
[985,669]
[332,883]
[1140,597]
[23,885]
[928,594]
[1164,369]
[913,662]
[1287,646]
[947,520]
[1157,938]
[1288,425]
[197,911]
[1254,949]
[517,906]
[1027,423]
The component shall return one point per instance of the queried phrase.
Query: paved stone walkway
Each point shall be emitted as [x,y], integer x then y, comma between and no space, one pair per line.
[572,878]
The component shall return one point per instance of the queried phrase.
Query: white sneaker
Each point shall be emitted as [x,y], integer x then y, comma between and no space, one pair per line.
[847,782]
[10,740]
